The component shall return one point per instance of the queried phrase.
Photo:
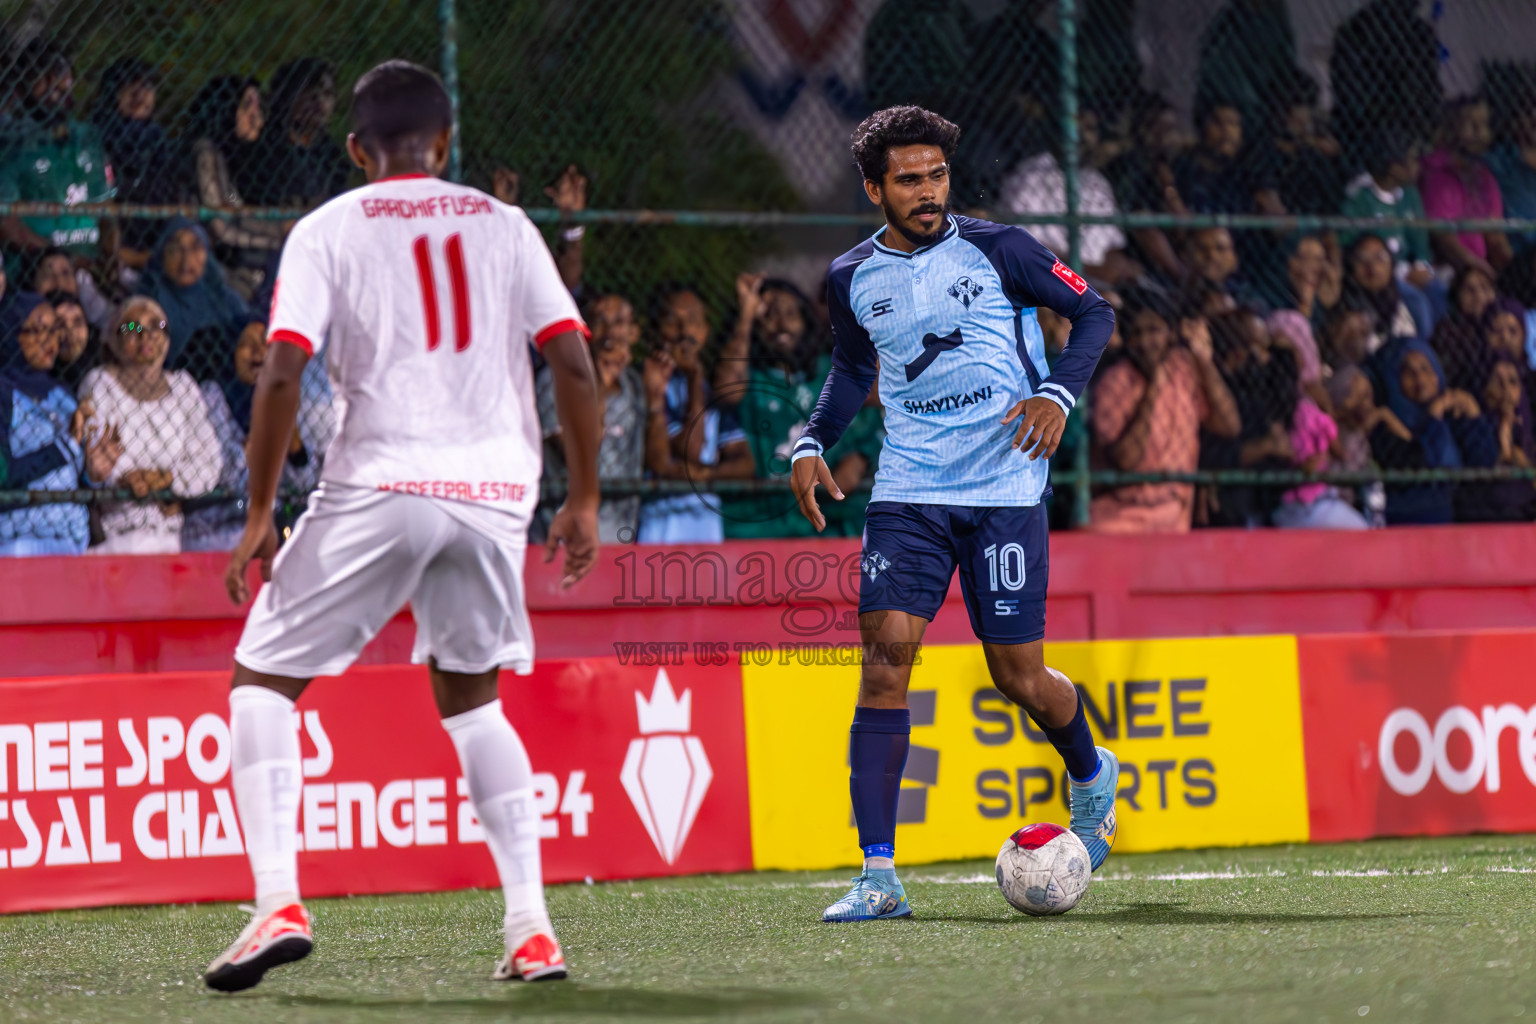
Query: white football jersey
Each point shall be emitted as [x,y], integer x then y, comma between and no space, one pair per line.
[422,296]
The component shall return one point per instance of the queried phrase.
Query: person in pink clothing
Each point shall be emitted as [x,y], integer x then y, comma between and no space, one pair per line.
[1316,506]
[1148,409]
[1457,184]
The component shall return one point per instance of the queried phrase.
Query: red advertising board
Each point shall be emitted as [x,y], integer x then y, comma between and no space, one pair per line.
[1428,734]
[116,789]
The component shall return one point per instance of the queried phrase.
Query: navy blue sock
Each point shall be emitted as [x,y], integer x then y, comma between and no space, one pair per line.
[877,754]
[1074,743]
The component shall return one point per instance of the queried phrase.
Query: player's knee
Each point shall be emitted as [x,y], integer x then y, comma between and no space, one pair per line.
[883,685]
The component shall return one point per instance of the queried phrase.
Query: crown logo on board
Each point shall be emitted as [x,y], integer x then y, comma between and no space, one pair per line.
[664,712]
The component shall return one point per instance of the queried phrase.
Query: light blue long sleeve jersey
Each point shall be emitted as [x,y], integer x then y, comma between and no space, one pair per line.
[950,331]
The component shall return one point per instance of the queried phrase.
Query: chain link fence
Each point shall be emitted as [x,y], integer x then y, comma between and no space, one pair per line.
[1315,219]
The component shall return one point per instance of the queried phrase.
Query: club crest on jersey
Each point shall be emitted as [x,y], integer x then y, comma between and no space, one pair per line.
[965,290]
[873,564]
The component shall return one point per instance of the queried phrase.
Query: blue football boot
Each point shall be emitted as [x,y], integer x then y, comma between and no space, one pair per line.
[873,896]
[1093,809]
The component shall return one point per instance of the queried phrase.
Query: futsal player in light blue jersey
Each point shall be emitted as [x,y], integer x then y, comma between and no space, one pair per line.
[941,310]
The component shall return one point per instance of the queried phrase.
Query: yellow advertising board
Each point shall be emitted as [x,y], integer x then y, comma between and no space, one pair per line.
[1208,733]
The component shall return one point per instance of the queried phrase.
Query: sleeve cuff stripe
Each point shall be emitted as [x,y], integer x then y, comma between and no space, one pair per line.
[1057,391]
[292,338]
[560,327]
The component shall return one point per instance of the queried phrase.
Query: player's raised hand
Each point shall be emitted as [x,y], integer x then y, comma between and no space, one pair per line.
[258,542]
[803,478]
[576,528]
[1041,422]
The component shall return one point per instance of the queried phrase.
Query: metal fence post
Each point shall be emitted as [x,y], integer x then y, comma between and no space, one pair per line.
[448,25]
[1069,169]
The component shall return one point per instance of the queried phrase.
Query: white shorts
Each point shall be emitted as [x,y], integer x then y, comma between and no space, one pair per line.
[357,556]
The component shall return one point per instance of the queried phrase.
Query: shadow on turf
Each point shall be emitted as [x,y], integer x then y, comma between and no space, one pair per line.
[572,999]
[1174,913]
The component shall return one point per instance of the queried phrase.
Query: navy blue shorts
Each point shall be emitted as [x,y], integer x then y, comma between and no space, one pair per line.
[911,553]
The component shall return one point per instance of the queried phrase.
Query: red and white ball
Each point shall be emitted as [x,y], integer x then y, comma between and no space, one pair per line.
[1043,869]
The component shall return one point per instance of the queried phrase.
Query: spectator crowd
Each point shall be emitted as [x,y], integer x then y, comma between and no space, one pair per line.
[129,347]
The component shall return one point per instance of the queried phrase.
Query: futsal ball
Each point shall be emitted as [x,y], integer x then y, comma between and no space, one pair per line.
[1043,869]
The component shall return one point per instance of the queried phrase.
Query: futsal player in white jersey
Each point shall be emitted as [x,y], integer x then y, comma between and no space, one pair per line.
[422,297]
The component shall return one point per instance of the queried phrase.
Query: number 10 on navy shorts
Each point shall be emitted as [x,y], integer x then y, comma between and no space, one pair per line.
[911,553]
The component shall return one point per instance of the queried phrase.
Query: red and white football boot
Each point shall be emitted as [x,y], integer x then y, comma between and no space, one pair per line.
[269,941]
[538,959]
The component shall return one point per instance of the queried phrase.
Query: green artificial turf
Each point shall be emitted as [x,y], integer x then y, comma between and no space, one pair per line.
[1403,930]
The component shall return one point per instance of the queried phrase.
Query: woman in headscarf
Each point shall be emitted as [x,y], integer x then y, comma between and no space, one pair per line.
[1443,422]
[43,435]
[79,341]
[1370,275]
[218,526]
[1507,441]
[1458,339]
[136,146]
[224,124]
[168,444]
[205,314]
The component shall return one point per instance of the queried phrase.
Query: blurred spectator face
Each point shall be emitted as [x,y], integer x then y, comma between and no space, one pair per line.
[1298,121]
[1147,340]
[55,274]
[1349,336]
[1370,265]
[1222,131]
[39,337]
[782,322]
[1306,263]
[1473,133]
[684,328]
[51,91]
[146,343]
[1501,396]
[1360,400]
[1406,168]
[249,120]
[314,107]
[1506,335]
[1418,379]
[1087,132]
[1525,128]
[136,100]
[613,317]
[1475,295]
[185,258]
[250,354]
[1214,257]
[74,332]
[1159,132]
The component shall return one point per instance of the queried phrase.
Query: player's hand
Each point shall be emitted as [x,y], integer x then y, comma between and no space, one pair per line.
[803,478]
[575,526]
[1041,423]
[258,542]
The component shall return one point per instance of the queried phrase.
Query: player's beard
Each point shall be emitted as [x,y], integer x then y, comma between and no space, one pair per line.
[917,238]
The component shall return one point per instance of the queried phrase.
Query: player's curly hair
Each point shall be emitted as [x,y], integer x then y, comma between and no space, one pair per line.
[899,126]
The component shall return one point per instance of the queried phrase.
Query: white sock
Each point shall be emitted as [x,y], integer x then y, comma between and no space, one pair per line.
[500,780]
[879,863]
[268,780]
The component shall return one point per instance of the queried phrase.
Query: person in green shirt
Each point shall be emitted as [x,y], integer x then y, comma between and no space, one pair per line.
[47,156]
[1388,188]
[771,372]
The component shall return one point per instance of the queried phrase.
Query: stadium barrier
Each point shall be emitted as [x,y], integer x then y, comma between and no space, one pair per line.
[116,790]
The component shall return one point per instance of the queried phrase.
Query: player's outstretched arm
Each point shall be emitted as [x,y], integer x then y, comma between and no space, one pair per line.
[274,411]
[575,524]
[807,472]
